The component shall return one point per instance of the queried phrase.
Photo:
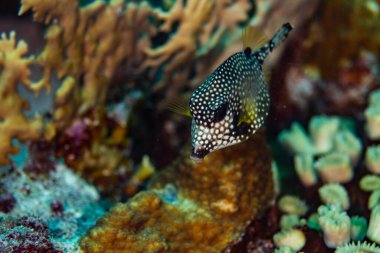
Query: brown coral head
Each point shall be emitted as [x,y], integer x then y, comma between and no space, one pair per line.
[198,153]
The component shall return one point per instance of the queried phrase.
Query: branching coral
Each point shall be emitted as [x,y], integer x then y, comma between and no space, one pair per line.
[201,25]
[88,44]
[14,69]
[191,207]
[89,47]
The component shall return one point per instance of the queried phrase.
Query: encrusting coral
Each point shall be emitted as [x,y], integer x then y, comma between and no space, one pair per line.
[191,207]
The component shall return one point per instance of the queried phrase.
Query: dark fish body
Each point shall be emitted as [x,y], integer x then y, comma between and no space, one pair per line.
[233,102]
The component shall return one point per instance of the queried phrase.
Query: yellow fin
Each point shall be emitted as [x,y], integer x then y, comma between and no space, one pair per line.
[248,112]
[253,38]
[180,105]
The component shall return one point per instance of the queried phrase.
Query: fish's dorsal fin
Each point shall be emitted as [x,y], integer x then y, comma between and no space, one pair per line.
[253,38]
[180,105]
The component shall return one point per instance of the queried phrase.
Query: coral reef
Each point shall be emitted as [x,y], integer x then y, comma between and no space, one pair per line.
[93,49]
[62,205]
[25,235]
[191,207]
[311,84]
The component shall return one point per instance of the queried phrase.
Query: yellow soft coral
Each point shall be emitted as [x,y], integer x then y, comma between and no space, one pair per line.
[14,70]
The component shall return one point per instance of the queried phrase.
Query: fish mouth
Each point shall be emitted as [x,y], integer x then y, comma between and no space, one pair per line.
[196,159]
[198,153]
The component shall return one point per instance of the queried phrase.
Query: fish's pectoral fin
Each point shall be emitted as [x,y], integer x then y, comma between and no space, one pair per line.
[253,38]
[180,105]
[247,112]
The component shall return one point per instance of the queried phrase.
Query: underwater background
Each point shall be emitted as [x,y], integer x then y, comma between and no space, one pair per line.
[92,160]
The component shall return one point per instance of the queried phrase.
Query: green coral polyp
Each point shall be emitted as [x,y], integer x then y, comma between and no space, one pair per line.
[374,97]
[334,167]
[372,159]
[374,199]
[292,205]
[322,129]
[373,232]
[296,140]
[370,183]
[346,142]
[303,164]
[372,115]
[334,194]
[358,247]
[293,238]
[288,221]
[358,228]
[335,224]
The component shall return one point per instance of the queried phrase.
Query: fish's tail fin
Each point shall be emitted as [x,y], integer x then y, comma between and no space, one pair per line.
[275,41]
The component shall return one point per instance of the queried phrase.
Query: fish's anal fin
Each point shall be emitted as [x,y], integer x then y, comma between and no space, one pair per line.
[180,105]
[253,38]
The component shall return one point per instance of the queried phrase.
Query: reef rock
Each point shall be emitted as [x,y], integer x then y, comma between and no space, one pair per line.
[191,207]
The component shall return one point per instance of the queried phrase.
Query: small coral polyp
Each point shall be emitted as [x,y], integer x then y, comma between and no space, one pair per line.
[372,115]
[335,224]
[296,140]
[372,159]
[334,194]
[373,232]
[335,167]
[304,166]
[322,129]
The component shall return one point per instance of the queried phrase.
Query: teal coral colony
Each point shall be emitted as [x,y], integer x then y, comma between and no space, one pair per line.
[280,151]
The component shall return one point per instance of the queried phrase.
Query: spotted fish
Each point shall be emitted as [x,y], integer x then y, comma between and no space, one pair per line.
[233,102]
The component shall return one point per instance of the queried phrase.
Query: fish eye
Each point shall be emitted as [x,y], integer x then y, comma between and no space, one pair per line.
[220,112]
